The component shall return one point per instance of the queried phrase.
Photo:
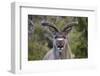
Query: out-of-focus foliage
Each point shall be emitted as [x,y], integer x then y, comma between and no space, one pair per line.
[79,38]
[40,38]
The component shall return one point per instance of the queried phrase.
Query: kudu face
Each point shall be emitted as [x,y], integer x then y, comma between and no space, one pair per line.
[60,40]
[59,36]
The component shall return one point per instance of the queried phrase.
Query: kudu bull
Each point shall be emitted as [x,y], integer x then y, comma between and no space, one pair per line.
[61,49]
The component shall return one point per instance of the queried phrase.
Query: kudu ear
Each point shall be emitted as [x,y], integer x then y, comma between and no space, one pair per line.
[51,27]
[68,27]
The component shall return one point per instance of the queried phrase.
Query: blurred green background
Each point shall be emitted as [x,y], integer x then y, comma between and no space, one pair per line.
[40,38]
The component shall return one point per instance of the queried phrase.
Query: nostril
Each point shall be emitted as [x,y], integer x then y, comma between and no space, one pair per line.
[60,46]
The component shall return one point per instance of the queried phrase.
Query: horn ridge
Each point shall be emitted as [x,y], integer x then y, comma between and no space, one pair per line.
[50,25]
[69,25]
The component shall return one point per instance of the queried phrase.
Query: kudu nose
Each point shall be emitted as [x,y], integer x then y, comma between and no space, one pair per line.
[60,44]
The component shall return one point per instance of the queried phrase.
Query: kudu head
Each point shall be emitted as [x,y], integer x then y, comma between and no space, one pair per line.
[59,36]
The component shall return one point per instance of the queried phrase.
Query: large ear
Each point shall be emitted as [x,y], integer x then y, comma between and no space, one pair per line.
[51,27]
[68,27]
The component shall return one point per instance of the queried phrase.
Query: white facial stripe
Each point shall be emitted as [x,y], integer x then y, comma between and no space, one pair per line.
[60,39]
